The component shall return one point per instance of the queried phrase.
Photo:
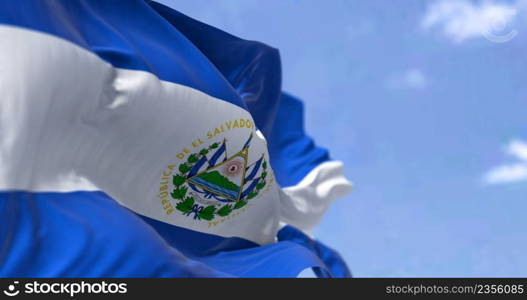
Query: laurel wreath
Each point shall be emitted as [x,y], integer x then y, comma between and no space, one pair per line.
[186,204]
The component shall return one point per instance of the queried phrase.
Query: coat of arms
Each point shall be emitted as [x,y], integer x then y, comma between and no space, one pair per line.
[213,183]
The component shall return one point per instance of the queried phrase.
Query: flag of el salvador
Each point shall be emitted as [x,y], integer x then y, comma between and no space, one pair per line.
[138,142]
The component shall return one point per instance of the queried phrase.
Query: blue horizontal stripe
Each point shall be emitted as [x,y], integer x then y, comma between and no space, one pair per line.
[83,234]
[88,234]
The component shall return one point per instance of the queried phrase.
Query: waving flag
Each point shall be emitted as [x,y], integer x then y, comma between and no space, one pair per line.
[135,141]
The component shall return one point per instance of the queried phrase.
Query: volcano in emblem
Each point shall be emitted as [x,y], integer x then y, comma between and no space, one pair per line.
[224,179]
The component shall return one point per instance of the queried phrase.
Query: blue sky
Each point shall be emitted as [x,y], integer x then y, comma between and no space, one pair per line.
[426,103]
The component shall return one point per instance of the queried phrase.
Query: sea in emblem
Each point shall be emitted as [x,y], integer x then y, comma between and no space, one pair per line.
[217,183]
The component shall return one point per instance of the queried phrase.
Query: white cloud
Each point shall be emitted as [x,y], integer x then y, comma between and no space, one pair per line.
[412,79]
[518,149]
[460,20]
[513,172]
[507,174]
